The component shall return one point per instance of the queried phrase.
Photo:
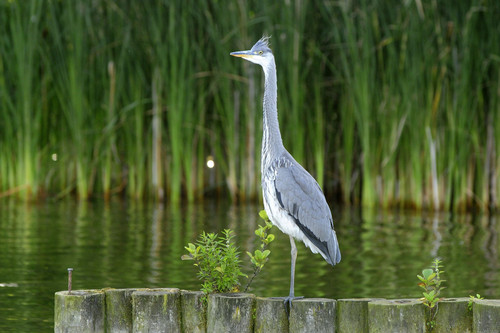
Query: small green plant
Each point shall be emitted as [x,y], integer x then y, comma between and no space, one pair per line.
[218,261]
[471,300]
[261,256]
[431,282]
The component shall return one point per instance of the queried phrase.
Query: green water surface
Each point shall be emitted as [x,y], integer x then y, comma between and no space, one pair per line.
[123,245]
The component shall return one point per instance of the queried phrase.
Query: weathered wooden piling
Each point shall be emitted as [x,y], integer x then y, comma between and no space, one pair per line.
[156,310]
[453,316]
[193,312]
[352,314]
[79,311]
[400,315]
[312,315]
[486,318]
[270,316]
[172,310]
[230,312]
[119,310]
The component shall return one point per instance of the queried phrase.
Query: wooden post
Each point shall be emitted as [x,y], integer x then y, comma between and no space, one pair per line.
[453,316]
[230,312]
[352,314]
[399,315]
[79,311]
[119,310]
[312,315]
[270,316]
[193,312]
[486,317]
[156,310]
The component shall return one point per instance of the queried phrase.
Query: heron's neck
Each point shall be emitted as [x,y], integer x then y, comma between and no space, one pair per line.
[272,145]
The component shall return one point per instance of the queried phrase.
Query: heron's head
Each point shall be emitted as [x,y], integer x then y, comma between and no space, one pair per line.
[259,54]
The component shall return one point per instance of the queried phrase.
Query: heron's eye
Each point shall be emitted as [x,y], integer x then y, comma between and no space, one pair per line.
[261,52]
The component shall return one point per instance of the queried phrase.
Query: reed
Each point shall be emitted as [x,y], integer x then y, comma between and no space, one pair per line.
[416,89]
[135,136]
[69,46]
[292,86]
[234,120]
[21,98]
[387,103]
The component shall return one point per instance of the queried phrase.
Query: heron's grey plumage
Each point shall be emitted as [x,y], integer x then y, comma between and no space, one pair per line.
[293,199]
[301,197]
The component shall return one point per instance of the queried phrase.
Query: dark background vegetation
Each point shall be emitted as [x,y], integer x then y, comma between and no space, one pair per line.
[391,103]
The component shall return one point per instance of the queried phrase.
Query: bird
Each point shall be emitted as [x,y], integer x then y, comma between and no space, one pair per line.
[293,200]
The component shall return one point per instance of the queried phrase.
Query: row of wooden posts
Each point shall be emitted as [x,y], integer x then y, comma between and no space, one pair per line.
[174,310]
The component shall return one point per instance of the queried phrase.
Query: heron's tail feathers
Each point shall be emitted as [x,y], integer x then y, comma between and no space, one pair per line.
[333,256]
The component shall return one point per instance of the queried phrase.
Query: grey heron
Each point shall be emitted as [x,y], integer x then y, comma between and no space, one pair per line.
[292,198]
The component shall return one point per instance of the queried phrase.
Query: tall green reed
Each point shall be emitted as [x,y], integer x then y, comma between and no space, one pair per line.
[405,60]
[21,104]
[290,55]
[72,77]
[234,117]
[135,136]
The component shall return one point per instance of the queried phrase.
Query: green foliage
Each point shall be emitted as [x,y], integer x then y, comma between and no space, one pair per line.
[260,257]
[431,282]
[218,261]
[407,119]
[471,300]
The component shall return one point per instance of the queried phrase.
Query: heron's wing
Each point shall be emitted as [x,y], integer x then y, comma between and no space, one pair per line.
[300,196]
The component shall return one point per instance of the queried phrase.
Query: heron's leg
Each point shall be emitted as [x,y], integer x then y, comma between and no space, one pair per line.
[292,270]
[288,299]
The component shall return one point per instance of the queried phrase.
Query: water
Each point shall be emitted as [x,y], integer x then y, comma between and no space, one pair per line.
[124,245]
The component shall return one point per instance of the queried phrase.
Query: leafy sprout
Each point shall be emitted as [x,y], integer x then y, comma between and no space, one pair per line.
[431,282]
[218,261]
[218,258]
[260,257]
[471,300]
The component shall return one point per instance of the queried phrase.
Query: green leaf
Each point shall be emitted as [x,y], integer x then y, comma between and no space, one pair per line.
[263,215]
[258,255]
[269,238]
[429,296]
[191,248]
[428,273]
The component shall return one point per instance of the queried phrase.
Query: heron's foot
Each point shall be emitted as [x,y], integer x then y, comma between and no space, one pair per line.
[287,301]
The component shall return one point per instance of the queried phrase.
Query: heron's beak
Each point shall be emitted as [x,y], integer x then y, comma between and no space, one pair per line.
[243,54]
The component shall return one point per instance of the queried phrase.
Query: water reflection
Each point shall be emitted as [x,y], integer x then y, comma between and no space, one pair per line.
[139,245]
[437,236]
[490,247]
